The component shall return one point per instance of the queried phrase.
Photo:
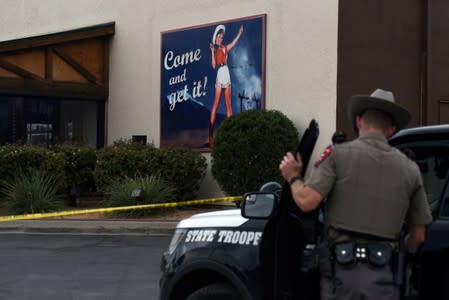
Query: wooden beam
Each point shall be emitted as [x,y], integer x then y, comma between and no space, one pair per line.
[48,64]
[106,29]
[79,68]
[18,86]
[19,71]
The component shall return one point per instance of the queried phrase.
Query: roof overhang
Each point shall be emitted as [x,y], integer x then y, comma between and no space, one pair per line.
[106,29]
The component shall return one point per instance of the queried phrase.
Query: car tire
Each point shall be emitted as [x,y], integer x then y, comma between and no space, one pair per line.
[216,291]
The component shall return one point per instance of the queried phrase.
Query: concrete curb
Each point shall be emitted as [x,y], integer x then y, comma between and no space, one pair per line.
[89,227]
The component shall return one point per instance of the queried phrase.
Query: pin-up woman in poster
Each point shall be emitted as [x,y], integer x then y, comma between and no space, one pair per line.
[220,61]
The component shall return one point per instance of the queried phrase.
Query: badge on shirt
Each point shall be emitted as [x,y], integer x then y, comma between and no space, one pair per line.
[324,155]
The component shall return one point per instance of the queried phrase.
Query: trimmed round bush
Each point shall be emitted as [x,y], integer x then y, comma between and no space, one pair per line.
[248,149]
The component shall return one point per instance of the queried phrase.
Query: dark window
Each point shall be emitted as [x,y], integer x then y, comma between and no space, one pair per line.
[5,121]
[433,162]
[48,121]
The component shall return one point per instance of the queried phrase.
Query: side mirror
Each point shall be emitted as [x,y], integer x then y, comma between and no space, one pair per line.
[258,205]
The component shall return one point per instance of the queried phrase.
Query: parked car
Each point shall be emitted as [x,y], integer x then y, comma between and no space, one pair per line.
[218,255]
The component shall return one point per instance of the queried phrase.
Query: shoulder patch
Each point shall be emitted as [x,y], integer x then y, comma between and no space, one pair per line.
[324,155]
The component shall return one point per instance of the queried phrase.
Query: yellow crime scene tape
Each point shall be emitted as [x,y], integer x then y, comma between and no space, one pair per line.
[115,209]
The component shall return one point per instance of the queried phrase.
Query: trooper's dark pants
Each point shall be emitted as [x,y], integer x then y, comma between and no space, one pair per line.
[360,281]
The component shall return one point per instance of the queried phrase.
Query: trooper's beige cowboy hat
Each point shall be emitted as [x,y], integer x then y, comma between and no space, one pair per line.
[219,27]
[379,100]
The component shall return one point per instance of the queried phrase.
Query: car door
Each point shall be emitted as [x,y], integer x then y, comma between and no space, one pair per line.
[430,276]
[284,240]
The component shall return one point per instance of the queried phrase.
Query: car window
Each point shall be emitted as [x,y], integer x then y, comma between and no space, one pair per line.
[433,162]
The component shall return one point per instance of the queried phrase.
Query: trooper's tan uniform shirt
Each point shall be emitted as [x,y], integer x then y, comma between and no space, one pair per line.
[371,188]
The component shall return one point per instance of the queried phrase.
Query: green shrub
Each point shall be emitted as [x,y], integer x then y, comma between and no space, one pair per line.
[34,192]
[79,165]
[248,149]
[185,169]
[155,190]
[122,160]
[17,159]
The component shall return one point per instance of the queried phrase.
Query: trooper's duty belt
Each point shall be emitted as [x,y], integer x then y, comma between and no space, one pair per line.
[377,254]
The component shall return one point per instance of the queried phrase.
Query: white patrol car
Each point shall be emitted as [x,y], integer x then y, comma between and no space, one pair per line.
[225,255]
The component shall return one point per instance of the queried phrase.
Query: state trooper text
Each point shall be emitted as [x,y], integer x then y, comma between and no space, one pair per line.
[224,236]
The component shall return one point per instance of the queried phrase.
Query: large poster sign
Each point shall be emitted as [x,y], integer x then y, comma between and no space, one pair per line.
[209,73]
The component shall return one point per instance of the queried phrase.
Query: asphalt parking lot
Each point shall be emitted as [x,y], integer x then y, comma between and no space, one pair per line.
[80,266]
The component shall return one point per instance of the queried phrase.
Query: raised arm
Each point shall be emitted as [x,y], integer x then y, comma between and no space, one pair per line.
[306,198]
[236,39]
[212,50]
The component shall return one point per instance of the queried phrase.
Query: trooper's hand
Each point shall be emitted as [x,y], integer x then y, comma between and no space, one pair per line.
[291,167]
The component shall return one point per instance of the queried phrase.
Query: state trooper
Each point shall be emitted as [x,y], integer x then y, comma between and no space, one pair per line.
[371,191]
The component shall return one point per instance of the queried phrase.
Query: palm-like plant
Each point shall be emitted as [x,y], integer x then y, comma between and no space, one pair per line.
[155,190]
[34,192]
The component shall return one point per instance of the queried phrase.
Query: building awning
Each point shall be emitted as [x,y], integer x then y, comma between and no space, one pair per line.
[73,63]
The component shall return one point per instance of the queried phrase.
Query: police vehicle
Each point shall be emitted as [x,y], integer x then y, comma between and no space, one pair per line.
[236,254]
